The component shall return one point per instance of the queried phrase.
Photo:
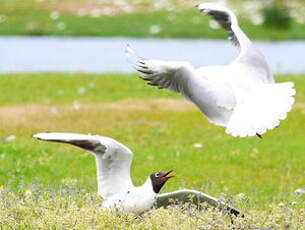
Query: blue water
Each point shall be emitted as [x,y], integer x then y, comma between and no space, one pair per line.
[98,55]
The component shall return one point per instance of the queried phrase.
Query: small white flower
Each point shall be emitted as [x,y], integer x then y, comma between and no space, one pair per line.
[293,203]
[214,25]
[281,204]
[54,110]
[10,138]
[81,90]
[300,19]
[155,29]
[300,191]
[54,15]
[95,13]
[76,105]
[61,26]
[197,145]
[241,196]
[257,19]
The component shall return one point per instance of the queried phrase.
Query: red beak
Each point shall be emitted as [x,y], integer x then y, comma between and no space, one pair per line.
[165,175]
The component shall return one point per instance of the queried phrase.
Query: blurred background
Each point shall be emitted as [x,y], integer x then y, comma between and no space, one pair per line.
[91,22]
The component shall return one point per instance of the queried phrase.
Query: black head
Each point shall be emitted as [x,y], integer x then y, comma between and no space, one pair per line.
[158,179]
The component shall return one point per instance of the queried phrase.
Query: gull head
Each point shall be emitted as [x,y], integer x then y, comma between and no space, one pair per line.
[159,178]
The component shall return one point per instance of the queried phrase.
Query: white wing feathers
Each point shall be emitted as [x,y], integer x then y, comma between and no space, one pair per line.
[163,75]
[226,19]
[196,197]
[113,159]
[250,57]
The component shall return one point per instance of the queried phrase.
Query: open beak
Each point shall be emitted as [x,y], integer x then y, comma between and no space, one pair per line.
[165,175]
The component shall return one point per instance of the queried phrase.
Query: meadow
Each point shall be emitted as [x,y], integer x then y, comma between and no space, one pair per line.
[47,185]
[129,18]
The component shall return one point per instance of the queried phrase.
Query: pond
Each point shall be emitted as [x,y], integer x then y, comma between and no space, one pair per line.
[98,55]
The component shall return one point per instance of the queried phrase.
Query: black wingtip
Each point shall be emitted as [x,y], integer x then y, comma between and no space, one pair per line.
[260,136]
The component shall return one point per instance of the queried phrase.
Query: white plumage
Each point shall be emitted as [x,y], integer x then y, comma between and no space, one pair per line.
[242,96]
[113,162]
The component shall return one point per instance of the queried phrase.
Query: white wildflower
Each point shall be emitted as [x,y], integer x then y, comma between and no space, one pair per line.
[197,145]
[54,110]
[81,90]
[242,196]
[300,191]
[10,138]
[213,24]
[257,19]
[95,13]
[61,26]
[155,29]
[76,105]
[54,15]
[293,203]
[281,204]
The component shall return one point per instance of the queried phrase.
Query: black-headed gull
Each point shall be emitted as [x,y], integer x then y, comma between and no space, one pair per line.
[113,161]
[242,96]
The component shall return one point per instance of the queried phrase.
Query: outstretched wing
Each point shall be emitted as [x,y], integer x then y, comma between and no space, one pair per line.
[113,159]
[250,57]
[196,197]
[162,74]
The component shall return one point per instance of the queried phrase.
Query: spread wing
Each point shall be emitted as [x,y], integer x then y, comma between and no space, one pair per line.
[162,74]
[250,57]
[196,197]
[113,159]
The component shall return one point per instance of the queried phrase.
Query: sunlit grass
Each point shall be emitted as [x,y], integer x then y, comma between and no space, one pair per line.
[32,18]
[70,207]
[161,129]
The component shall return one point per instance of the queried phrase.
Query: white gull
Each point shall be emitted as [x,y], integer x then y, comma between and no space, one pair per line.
[113,161]
[242,96]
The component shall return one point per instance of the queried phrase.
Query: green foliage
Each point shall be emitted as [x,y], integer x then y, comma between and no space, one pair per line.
[277,15]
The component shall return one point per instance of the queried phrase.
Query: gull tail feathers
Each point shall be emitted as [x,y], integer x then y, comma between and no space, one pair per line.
[262,110]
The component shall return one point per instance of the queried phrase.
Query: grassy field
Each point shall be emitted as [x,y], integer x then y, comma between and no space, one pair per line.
[160,128]
[65,18]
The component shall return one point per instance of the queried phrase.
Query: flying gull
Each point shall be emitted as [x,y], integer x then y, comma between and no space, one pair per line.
[242,96]
[113,161]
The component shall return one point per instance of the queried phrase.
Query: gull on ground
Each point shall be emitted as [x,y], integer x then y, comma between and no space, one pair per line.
[113,161]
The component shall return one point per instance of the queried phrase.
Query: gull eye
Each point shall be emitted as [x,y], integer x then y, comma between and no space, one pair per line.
[157,174]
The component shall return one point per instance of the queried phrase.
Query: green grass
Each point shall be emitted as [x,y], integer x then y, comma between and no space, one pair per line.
[48,185]
[161,136]
[28,18]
